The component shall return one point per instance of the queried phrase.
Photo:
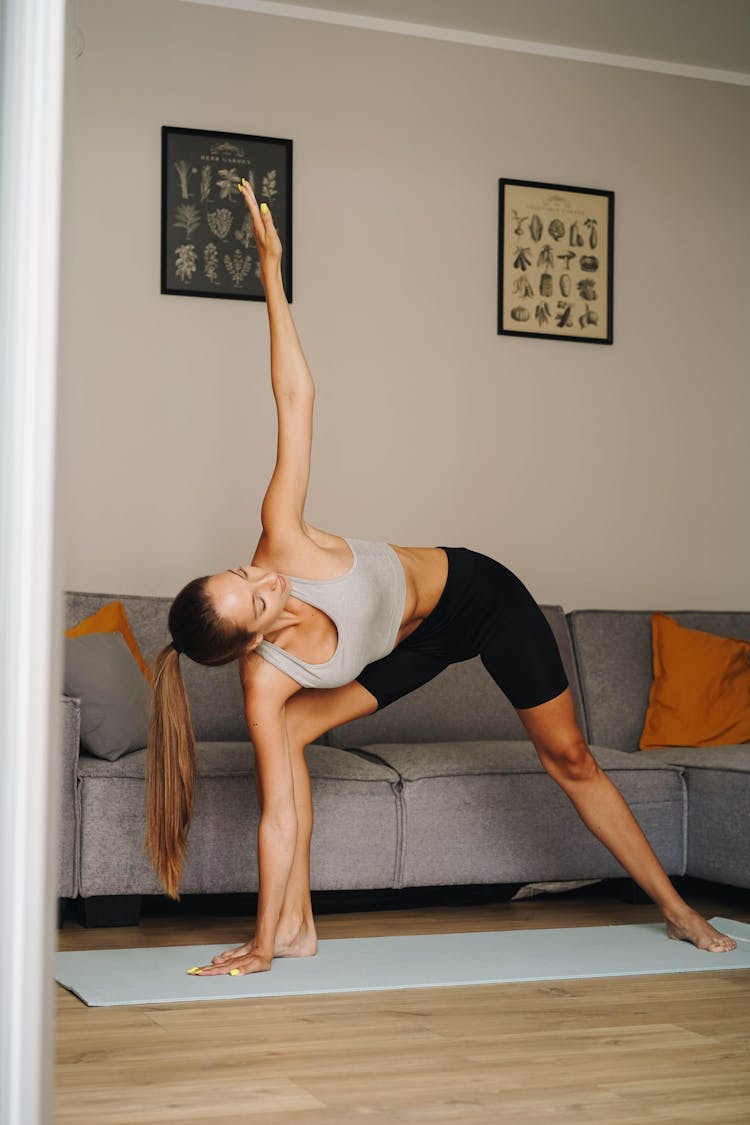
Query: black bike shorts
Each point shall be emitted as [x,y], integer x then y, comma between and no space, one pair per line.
[484,610]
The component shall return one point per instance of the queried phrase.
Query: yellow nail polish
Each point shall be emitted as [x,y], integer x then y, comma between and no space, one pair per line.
[194,969]
[264,207]
[234,972]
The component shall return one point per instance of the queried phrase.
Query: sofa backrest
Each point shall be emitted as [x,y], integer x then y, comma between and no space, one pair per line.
[615,665]
[217,705]
[463,702]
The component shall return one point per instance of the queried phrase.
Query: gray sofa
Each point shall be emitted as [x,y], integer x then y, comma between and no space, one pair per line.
[441,788]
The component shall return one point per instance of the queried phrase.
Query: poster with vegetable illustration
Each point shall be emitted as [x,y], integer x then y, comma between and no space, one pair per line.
[555,262]
[207,243]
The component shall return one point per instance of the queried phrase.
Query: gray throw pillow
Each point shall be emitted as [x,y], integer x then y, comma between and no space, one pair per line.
[115,696]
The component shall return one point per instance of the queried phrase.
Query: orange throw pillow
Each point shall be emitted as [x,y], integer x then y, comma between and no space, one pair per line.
[112,618]
[700,695]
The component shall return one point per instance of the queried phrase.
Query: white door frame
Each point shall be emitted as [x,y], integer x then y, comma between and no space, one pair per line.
[33,36]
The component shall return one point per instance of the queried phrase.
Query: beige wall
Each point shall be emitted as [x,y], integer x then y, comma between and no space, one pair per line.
[604,476]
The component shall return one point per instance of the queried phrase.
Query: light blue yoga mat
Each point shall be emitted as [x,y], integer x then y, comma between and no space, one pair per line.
[105,977]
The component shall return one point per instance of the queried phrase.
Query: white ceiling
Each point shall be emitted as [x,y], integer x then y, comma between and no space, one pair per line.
[711,34]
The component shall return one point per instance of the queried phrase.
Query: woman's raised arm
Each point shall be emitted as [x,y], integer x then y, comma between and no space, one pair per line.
[282,512]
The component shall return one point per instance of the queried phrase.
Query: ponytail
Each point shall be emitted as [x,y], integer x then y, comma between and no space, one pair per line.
[170,772]
[170,756]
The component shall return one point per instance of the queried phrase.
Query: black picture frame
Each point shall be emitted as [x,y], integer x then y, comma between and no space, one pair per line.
[561,294]
[207,243]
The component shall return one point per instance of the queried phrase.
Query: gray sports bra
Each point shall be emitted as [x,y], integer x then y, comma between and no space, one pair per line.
[366,605]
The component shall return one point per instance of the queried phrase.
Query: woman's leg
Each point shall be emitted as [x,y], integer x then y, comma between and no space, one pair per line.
[309,714]
[522,656]
[565,755]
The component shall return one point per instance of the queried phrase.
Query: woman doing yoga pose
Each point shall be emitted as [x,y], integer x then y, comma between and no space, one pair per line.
[362,624]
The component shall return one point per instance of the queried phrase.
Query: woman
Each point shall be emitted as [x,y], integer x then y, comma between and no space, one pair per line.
[368,623]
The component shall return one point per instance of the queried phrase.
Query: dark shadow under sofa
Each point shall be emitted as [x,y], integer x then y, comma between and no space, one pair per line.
[442,788]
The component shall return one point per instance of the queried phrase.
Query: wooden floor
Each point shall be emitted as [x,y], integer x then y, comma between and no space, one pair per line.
[671,1048]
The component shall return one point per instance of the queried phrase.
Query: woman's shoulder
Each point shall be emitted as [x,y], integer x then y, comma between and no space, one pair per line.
[313,554]
[263,684]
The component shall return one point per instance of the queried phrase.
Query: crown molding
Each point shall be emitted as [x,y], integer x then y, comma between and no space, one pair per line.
[474,39]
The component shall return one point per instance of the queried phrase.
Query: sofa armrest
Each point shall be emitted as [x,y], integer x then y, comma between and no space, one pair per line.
[68,834]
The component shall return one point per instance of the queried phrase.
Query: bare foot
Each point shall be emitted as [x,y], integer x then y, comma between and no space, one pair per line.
[302,943]
[694,928]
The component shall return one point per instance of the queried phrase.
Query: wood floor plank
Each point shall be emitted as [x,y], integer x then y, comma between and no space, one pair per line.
[171,1099]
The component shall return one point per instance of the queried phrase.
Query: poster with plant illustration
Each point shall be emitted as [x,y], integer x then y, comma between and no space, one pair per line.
[555,262]
[207,243]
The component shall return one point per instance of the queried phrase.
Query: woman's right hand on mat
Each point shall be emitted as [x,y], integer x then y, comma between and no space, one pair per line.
[266,236]
[235,962]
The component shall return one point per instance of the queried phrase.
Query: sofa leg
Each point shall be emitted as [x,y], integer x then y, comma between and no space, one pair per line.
[109,910]
[62,906]
[627,890]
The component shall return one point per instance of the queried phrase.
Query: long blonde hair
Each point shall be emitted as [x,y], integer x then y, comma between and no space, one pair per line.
[170,758]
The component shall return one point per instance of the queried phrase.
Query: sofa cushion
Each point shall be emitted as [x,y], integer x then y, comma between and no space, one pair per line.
[718,785]
[236,759]
[463,702]
[487,812]
[613,652]
[700,695]
[355,842]
[453,758]
[728,759]
[217,704]
[112,618]
[115,697]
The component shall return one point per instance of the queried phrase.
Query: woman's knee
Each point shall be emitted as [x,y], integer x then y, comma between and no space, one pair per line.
[301,728]
[568,760]
[553,728]
[313,711]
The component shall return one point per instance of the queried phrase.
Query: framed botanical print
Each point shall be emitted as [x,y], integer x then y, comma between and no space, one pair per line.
[207,243]
[555,262]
